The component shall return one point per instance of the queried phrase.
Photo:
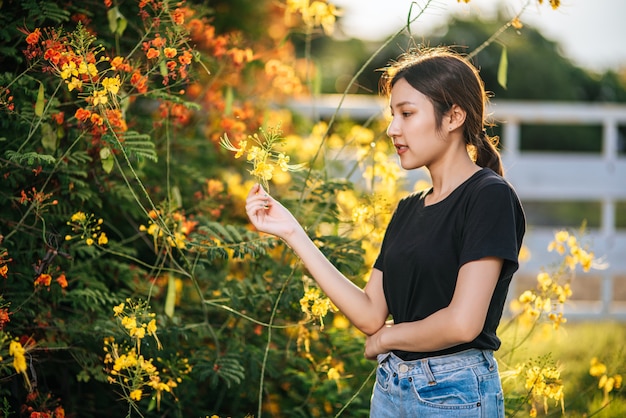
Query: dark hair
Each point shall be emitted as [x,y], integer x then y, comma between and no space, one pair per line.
[447,78]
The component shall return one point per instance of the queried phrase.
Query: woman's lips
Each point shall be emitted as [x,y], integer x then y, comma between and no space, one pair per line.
[401,149]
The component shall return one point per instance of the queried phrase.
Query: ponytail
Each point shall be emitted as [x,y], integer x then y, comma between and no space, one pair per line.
[486,152]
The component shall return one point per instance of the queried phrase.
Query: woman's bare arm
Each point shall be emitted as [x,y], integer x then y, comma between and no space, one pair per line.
[365,308]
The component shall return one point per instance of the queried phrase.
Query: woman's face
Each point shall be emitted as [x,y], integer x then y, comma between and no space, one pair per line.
[413,127]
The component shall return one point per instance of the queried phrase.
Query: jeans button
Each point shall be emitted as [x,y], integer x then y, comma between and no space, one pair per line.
[403,368]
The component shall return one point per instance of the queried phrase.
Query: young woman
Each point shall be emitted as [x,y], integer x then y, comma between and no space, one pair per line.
[448,255]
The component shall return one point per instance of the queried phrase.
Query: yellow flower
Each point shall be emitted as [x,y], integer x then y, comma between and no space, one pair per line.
[544,281]
[242,148]
[78,217]
[99,97]
[597,368]
[89,241]
[75,83]
[263,170]
[527,297]
[129,322]
[19,360]
[69,69]
[111,84]
[283,161]
[102,239]
[90,69]
[118,309]
[135,395]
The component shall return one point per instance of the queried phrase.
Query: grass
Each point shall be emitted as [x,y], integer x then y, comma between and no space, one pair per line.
[572,347]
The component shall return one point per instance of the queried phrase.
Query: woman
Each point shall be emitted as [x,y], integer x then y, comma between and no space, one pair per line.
[448,255]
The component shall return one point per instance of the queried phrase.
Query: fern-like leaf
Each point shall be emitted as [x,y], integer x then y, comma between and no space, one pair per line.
[29,157]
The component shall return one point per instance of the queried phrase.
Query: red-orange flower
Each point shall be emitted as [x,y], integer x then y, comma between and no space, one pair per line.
[96,119]
[62,281]
[4,317]
[43,280]
[33,37]
[82,114]
[152,53]
[178,16]
[139,82]
[158,42]
[185,58]
[58,117]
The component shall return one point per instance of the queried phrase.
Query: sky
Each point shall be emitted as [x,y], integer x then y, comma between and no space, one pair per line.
[591,33]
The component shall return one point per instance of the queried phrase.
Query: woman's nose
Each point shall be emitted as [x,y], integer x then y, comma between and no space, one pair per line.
[392,129]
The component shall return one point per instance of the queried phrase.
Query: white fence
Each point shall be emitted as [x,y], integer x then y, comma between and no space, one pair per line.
[600,294]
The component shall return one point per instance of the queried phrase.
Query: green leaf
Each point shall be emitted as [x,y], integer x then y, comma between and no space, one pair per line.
[30,158]
[106,159]
[228,101]
[117,21]
[503,67]
[170,298]
[163,68]
[40,101]
[48,137]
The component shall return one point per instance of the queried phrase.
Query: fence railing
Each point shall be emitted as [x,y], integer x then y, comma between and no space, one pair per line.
[550,177]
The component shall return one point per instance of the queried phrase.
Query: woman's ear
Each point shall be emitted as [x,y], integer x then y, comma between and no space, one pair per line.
[455,118]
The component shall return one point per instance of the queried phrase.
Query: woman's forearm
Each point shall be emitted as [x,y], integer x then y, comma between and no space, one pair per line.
[362,309]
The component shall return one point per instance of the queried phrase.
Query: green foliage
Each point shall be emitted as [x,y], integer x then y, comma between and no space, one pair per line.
[131,199]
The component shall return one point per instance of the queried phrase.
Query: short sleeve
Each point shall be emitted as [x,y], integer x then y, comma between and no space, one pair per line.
[493,227]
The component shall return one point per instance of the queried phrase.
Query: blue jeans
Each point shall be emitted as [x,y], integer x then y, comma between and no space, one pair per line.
[465,384]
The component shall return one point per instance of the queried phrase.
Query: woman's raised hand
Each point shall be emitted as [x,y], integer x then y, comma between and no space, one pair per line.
[267,215]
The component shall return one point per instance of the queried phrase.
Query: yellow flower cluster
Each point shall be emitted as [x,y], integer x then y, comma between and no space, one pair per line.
[262,154]
[133,372]
[605,382]
[173,229]
[137,321]
[313,304]
[543,383]
[88,228]
[551,293]
[126,366]
[314,14]
[564,241]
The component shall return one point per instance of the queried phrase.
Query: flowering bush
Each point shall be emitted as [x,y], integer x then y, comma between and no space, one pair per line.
[130,281]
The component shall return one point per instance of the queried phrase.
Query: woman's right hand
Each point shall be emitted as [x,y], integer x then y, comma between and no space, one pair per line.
[267,215]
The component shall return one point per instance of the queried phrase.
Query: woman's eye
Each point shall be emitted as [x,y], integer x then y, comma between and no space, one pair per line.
[406,114]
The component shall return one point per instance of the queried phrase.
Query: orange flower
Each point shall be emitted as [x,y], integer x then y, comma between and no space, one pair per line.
[158,42]
[58,117]
[62,281]
[185,59]
[52,55]
[43,280]
[152,53]
[96,119]
[4,317]
[170,52]
[33,37]
[82,114]
[178,16]
[4,270]
[139,82]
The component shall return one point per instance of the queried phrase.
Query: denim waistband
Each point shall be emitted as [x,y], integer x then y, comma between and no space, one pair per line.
[436,364]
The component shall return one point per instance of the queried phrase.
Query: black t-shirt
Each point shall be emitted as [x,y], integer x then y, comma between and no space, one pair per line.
[425,246]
